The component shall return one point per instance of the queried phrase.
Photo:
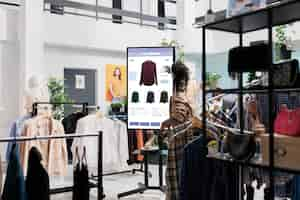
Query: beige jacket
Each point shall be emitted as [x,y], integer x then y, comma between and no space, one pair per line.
[54,152]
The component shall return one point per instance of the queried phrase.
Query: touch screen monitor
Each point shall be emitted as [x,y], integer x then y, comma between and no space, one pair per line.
[149,86]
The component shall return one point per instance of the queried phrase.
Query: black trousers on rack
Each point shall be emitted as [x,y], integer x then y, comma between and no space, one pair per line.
[117,4]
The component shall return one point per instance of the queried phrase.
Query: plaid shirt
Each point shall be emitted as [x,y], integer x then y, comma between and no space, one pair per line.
[181,112]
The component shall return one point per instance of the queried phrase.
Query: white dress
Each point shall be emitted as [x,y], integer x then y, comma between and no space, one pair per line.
[115,143]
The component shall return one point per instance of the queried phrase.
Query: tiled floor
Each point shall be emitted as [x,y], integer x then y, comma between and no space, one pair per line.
[122,183]
[117,184]
[125,182]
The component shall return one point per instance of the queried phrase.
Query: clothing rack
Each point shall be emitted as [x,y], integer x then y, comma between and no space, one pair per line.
[234,130]
[88,106]
[99,185]
[132,171]
[83,104]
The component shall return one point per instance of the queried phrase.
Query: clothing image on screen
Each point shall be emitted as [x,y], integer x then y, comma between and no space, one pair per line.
[150,97]
[166,69]
[164,97]
[135,97]
[148,74]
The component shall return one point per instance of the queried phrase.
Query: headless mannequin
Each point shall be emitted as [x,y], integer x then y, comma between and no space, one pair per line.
[37,91]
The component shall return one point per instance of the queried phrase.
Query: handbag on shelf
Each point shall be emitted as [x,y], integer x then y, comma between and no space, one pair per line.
[285,73]
[287,122]
[252,109]
[249,59]
[241,147]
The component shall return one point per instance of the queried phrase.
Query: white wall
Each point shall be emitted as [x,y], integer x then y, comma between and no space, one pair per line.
[89,33]
[9,68]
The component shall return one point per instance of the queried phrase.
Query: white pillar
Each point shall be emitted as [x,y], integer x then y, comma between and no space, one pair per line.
[31,36]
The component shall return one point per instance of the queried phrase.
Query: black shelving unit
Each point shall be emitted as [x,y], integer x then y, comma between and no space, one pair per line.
[267,18]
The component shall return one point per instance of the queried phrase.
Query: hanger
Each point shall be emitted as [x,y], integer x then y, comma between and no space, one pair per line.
[226,128]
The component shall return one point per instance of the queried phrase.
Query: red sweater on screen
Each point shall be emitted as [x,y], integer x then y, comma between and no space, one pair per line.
[148,74]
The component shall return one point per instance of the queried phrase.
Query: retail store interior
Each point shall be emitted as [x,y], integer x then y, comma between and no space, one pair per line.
[149,99]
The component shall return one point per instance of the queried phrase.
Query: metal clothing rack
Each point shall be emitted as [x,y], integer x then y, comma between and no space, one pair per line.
[266,18]
[83,104]
[99,185]
[142,187]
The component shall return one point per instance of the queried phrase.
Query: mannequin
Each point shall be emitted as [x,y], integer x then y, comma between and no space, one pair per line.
[37,91]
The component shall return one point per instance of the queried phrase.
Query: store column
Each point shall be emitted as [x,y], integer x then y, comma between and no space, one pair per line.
[31,36]
[179,34]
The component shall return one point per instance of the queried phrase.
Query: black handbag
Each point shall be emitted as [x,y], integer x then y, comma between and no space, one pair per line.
[285,73]
[241,147]
[249,59]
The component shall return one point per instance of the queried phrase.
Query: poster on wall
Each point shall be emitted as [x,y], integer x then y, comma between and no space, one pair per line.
[149,86]
[116,83]
[80,82]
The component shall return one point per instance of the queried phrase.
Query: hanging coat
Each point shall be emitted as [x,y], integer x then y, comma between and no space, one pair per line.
[37,180]
[14,186]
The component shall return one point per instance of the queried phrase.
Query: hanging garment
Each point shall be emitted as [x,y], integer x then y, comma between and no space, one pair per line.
[193,167]
[1,174]
[132,143]
[219,180]
[115,143]
[70,123]
[54,152]
[148,73]
[135,97]
[296,188]
[150,97]
[117,4]
[164,97]
[81,189]
[15,131]
[14,186]
[180,112]
[37,179]
[140,143]
[225,180]
[123,151]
